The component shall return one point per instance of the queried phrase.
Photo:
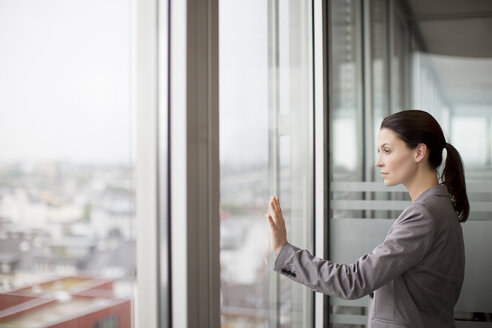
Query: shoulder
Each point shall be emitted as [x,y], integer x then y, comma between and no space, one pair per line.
[424,213]
[431,201]
[435,202]
[434,195]
[416,220]
[416,211]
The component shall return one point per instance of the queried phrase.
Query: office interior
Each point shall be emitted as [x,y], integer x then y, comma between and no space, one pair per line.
[140,142]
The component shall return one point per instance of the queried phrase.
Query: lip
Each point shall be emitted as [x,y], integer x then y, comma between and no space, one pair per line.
[384,173]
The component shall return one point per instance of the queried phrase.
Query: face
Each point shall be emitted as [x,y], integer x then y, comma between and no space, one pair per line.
[397,162]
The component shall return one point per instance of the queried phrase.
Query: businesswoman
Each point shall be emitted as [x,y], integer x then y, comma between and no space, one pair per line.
[414,277]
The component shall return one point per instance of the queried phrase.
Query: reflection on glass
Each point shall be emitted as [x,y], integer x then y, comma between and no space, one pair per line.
[346,134]
[362,91]
[346,101]
[67,235]
[459,91]
[455,90]
[265,149]
[379,45]
[244,162]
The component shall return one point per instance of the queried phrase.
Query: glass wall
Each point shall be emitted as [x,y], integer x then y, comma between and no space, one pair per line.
[67,214]
[379,43]
[347,97]
[397,75]
[369,57]
[266,131]
[455,89]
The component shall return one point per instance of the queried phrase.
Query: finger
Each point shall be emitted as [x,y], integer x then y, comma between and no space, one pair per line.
[278,206]
[274,204]
[270,221]
[273,207]
[278,210]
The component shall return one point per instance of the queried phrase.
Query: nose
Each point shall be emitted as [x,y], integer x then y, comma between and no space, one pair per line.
[378,162]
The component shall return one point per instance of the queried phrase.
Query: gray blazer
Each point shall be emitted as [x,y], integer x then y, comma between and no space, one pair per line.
[413,278]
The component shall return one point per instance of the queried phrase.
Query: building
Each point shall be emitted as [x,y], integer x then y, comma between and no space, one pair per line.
[65,302]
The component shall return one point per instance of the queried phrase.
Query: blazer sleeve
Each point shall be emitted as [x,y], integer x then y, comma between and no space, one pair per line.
[407,242]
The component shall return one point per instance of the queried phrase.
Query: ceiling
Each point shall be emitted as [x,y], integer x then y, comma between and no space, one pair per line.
[454,27]
[457,35]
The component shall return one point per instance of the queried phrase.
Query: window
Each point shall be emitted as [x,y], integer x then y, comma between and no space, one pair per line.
[457,93]
[266,147]
[366,77]
[67,198]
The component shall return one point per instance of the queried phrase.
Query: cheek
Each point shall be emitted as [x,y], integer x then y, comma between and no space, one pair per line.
[404,165]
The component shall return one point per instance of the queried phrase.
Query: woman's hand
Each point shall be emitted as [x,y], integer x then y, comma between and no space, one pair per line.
[278,234]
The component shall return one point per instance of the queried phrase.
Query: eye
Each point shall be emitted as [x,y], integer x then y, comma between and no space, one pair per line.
[386,151]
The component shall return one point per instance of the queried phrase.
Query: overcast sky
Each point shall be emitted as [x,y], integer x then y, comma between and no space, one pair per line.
[243,82]
[65,80]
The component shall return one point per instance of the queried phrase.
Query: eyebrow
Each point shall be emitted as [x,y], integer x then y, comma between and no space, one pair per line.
[385,144]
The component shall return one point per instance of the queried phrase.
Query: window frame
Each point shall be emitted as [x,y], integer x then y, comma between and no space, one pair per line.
[177,163]
[152,278]
[322,91]
[178,268]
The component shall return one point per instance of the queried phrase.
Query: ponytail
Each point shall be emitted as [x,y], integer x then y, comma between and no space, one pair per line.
[453,176]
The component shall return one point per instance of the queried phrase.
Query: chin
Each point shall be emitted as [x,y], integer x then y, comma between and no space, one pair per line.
[389,183]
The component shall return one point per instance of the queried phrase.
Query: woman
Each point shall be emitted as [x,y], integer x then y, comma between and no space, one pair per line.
[414,277]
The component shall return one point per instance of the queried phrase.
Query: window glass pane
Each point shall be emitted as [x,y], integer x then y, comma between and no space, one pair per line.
[346,102]
[453,88]
[379,50]
[67,228]
[361,208]
[460,96]
[379,56]
[244,156]
[347,144]
[265,149]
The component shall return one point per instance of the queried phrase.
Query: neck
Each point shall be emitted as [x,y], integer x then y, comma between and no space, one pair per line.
[422,182]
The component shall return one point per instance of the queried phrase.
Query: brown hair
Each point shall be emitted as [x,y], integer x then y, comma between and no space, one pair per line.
[415,127]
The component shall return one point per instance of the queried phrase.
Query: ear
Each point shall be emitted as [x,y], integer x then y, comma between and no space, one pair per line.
[420,152]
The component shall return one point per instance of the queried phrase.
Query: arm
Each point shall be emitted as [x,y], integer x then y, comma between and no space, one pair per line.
[406,244]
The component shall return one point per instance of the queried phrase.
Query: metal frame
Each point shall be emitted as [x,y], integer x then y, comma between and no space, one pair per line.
[273,138]
[177,163]
[163,173]
[367,111]
[321,173]
[194,127]
[178,204]
[147,186]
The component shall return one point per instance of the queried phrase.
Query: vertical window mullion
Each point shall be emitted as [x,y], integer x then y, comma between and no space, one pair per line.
[194,164]
[321,184]
[273,141]
[147,102]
